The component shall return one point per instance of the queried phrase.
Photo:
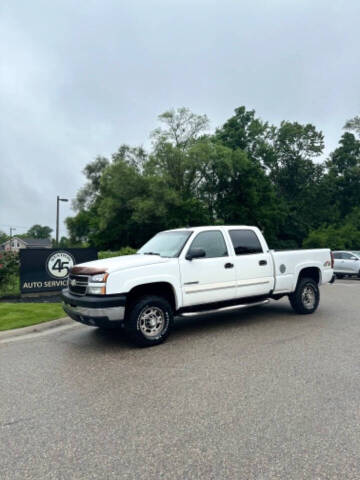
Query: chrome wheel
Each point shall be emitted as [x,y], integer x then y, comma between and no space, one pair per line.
[151,321]
[308,297]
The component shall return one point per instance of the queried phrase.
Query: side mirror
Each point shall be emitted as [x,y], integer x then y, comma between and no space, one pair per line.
[195,253]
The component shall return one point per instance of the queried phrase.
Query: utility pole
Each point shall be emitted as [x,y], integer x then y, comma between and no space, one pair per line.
[11,231]
[58,200]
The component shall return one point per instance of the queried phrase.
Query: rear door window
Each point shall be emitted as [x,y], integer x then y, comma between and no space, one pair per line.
[245,242]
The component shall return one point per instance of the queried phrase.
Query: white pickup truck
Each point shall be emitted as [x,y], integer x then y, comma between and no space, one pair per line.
[190,271]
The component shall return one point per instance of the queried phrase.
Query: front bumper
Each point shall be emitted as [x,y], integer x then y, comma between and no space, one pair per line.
[99,310]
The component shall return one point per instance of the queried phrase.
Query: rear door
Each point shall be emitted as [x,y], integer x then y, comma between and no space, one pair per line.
[353,263]
[209,279]
[253,263]
[338,262]
[347,262]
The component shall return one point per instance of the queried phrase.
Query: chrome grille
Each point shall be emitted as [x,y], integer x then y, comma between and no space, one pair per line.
[78,284]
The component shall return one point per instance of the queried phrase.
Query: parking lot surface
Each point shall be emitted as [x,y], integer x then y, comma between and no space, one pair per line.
[257,394]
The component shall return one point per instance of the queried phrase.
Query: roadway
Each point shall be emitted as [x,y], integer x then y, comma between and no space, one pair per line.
[257,394]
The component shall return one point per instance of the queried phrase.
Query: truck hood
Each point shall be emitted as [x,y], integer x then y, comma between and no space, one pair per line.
[117,263]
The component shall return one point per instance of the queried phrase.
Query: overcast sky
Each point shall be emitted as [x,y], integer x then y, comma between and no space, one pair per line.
[79,78]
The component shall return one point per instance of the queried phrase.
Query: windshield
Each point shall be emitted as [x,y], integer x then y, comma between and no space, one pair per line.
[166,244]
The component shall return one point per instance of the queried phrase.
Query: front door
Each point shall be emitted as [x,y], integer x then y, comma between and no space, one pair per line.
[211,278]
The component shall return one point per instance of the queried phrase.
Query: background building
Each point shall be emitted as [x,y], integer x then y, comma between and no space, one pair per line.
[18,243]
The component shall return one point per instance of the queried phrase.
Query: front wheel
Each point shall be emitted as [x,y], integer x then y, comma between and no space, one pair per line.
[149,320]
[306,297]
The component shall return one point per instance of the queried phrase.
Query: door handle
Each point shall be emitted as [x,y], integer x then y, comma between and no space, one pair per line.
[228,265]
[262,262]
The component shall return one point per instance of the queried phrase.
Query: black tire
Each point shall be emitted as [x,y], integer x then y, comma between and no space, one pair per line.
[301,300]
[151,314]
[339,275]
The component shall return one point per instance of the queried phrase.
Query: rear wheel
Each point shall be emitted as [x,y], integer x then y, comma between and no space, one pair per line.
[339,275]
[306,297]
[149,320]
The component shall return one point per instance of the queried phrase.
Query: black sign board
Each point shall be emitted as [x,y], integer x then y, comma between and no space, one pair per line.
[47,269]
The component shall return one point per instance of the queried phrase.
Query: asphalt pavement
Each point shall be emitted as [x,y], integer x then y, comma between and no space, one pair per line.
[257,394]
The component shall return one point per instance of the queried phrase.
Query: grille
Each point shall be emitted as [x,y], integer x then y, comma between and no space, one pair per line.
[78,284]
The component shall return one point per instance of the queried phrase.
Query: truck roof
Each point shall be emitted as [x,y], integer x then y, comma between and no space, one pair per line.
[207,227]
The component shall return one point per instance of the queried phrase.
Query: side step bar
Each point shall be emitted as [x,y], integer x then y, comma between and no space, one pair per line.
[223,309]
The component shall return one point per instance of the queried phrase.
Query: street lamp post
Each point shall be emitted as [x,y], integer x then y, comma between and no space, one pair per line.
[11,231]
[58,200]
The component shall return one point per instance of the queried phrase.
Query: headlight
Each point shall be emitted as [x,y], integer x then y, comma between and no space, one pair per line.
[99,277]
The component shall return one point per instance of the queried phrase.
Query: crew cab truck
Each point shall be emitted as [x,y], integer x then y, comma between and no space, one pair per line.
[190,271]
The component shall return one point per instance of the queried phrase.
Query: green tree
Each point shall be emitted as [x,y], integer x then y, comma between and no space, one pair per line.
[344,174]
[237,190]
[243,130]
[182,128]
[39,231]
[342,235]
[65,242]
[171,157]
[297,178]
[353,125]
[248,172]
[88,193]
[9,268]
[3,237]
[133,206]
[86,225]
[287,154]
[81,226]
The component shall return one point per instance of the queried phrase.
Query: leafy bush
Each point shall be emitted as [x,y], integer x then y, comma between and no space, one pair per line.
[122,251]
[9,273]
[9,265]
[346,237]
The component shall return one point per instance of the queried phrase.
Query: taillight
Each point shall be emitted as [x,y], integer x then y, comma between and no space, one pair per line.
[332,259]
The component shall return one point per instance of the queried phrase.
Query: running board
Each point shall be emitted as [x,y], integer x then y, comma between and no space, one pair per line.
[224,309]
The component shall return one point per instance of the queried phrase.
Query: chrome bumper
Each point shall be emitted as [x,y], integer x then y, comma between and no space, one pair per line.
[109,313]
[102,310]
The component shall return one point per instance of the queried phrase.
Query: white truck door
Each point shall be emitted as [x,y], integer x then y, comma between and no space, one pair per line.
[211,278]
[253,263]
[354,263]
[338,262]
[347,264]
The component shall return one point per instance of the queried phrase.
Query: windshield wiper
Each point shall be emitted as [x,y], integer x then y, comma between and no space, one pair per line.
[151,253]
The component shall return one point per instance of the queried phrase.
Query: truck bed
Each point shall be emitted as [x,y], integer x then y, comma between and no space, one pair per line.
[288,263]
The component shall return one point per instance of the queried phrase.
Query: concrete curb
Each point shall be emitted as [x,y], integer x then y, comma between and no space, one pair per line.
[40,327]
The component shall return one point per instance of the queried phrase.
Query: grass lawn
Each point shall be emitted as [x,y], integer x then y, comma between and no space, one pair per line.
[16,315]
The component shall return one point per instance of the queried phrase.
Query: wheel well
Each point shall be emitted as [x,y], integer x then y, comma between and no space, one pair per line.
[162,289]
[310,272]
